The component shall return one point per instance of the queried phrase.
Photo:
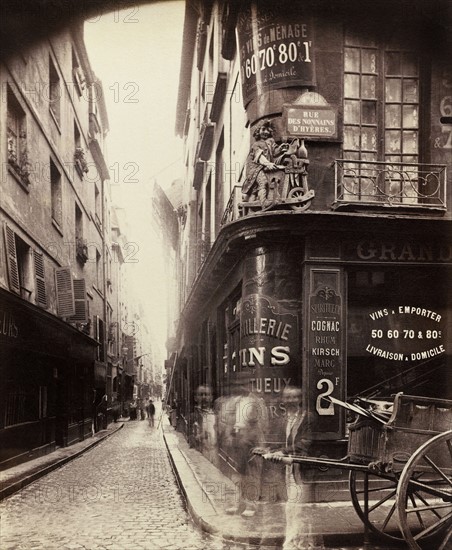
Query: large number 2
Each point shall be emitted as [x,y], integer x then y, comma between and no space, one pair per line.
[325,411]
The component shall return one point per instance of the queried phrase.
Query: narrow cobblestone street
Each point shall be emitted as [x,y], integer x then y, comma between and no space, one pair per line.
[120,495]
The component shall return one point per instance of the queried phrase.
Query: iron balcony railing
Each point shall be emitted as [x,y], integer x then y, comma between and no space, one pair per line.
[390,183]
[232,211]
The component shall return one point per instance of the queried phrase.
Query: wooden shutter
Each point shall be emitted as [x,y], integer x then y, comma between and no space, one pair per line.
[65,292]
[13,270]
[40,282]
[81,310]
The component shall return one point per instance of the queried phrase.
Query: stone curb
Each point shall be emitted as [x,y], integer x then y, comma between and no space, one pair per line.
[16,486]
[207,518]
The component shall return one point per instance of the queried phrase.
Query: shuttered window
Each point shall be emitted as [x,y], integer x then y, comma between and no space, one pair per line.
[13,270]
[65,292]
[40,283]
[81,309]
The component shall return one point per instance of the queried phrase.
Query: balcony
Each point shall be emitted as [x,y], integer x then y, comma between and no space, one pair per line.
[390,184]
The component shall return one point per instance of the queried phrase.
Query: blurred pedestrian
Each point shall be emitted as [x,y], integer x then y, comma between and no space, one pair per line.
[299,534]
[151,413]
[248,432]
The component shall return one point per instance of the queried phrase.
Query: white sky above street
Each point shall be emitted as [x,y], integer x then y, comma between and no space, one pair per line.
[136,54]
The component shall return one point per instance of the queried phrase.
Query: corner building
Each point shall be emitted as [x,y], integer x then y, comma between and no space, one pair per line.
[339,280]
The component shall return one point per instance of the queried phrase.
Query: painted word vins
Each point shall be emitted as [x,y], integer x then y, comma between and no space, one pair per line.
[258,355]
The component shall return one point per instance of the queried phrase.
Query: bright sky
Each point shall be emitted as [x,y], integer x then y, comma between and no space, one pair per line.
[136,54]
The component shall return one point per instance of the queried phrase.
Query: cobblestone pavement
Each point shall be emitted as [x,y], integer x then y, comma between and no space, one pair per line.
[120,495]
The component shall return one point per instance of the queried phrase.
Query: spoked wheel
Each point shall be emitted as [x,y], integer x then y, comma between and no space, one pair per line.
[380,515]
[424,495]
[298,193]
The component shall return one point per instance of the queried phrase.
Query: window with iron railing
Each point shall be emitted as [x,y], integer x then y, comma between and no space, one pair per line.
[382,160]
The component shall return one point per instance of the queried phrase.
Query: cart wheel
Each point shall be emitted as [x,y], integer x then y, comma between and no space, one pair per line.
[298,193]
[424,495]
[381,517]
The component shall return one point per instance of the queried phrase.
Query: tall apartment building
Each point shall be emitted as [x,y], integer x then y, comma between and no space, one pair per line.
[56,298]
[331,268]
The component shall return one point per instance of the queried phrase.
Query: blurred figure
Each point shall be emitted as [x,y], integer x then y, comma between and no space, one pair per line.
[151,413]
[248,432]
[298,528]
[204,423]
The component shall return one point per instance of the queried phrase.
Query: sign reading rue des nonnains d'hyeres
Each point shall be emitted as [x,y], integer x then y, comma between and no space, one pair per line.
[275,50]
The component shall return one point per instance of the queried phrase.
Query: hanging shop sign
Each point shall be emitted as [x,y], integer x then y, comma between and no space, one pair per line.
[406,333]
[310,121]
[325,339]
[276,50]
[268,344]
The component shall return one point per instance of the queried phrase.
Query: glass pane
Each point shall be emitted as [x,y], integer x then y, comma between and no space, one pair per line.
[409,64]
[369,156]
[410,116]
[393,89]
[351,138]
[392,63]
[393,158]
[392,116]
[368,87]
[369,112]
[351,112]
[369,61]
[410,142]
[351,62]
[352,155]
[410,91]
[411,159]
[392,141]
[369,139]
[351,85]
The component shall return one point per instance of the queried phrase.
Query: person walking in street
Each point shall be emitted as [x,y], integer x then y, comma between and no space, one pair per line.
[151,413]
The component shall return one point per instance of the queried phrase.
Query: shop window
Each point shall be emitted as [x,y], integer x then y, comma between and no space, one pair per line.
[42,402]
[21,405]
[230,338]
[16,131]
[397,331]
[56,195]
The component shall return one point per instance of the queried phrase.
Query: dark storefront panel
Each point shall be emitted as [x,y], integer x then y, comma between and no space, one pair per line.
[399,331]
[46,370]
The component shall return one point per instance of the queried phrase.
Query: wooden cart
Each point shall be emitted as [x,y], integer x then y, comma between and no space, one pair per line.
[400,463]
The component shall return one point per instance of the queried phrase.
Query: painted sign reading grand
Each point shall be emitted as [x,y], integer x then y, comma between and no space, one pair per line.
[406,333]
[275,50]
[269,343]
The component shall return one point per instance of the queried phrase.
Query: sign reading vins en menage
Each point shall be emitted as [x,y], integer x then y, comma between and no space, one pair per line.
[275,50]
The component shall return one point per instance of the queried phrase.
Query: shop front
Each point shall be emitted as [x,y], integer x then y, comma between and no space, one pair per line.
[341,315]
[47,380]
